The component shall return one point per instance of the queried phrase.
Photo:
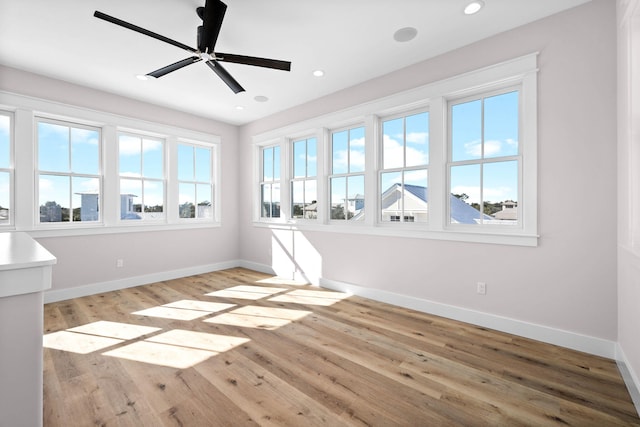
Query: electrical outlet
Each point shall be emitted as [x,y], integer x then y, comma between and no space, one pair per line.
[119,263]
[481,288]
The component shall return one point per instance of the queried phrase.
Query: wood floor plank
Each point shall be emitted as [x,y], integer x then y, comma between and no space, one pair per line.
[277,352]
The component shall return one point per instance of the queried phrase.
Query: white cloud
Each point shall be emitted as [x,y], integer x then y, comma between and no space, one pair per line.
[492,148]
[130,145]
[418,137]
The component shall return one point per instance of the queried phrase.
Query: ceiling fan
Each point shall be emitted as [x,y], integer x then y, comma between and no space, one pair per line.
[212,15]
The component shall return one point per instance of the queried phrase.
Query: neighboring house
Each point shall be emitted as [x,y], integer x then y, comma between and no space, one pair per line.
[416,207]
[89,207]
[126,207]
[509,211]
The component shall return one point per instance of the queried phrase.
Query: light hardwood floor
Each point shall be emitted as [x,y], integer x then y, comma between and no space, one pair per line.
[236,347]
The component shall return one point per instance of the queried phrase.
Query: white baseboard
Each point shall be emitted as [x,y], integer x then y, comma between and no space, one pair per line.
[542,333]
[262,268]
[54,295]
[630,377]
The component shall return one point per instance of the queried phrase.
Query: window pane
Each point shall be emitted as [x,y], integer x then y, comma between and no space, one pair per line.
[466,131]
[501,125]
[415,196]
[355,197]
[500,191]
[185,162]
[300,159]
[204,206]
[130,156]
[391,196]
[270,200]
[5,197]
[203,164]
[310,198]
[54,198]
[186,200]
[417,137]
[338,197]
[152,164]
[340,156]
[464,202]
[297,197]
[86,199]
[267,164]
[53,147]
[130,199]
[356,150]
[153,199]
[312,157]
[5,138]
[276,164]
[85,156]
[393,144]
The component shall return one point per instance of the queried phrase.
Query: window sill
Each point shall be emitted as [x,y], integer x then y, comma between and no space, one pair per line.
[103,229]
[507,237]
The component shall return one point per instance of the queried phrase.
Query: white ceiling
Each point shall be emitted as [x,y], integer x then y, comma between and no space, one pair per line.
[351,40]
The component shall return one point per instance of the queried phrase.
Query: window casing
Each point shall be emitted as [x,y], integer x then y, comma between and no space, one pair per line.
[270,182]
[6,169]
[346,182]
[69,173]
[304,185]
[195,185]
[142,177]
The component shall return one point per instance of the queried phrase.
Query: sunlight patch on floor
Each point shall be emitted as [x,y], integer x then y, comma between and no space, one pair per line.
[259,317]
[104,328]
[172,313]
[77,343]
[177,348]
[310,297]
[246,292]
[209,307]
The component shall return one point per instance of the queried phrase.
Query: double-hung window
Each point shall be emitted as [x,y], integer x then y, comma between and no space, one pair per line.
[404,173]
[270,182]
[69,172]
[142,182]
[346,181]
[484,154]
[195,186]
[304,184]
[6,169]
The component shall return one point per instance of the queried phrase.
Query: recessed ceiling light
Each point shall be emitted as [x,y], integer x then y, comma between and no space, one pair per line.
[318,73]
[261,98]
[405,34]
[473,7]
[239,107]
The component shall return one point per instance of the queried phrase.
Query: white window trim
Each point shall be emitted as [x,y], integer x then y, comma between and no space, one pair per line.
[27,109]
[11,170]
[432,97]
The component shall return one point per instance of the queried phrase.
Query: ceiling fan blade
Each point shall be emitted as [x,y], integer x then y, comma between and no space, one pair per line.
[141,30]
[173,67]
[225,76]
[212,16]
[252,60]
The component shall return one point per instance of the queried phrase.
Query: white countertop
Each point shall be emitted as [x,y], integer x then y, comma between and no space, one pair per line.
[19,250]
[20,259]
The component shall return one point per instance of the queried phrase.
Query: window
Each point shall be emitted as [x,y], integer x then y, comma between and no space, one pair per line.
[304,184]
[194,181]
[451,160]
[270,182]
[346,181]
[405,156]
[141,162]
[6,169]
[69,172]
[484,160]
